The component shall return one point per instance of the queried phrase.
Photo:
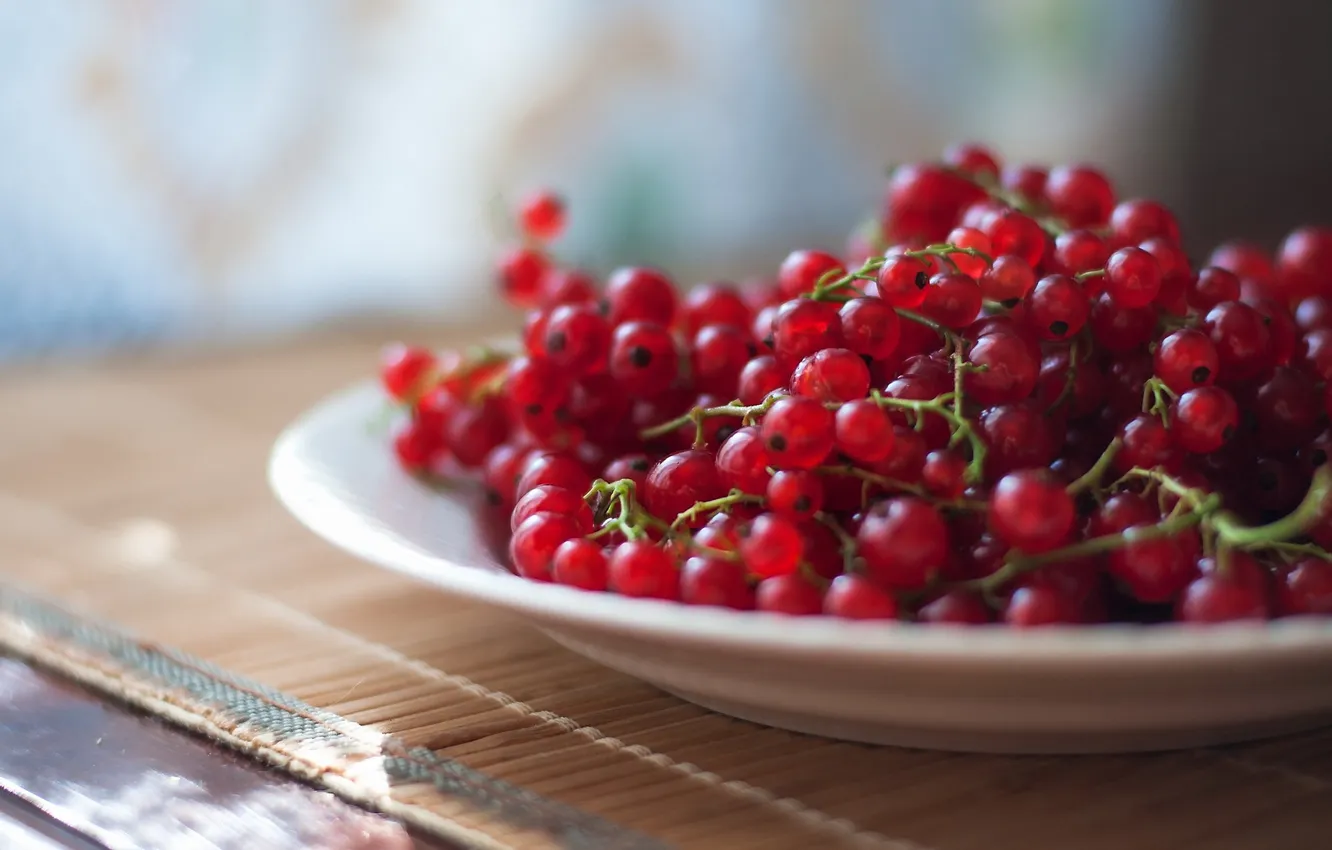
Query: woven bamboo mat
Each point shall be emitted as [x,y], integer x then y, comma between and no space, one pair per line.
[144,556]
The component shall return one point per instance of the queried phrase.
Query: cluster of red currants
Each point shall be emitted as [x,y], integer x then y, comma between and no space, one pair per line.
[1011,397]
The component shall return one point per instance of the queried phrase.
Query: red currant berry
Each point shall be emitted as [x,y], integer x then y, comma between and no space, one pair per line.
[577,338]
[547,498]
[801,271]
[642,569]
[716,304]
[924,201]
[1238,591]
[944,474]
[952,300]
[707,580]
[534,385]
[795,492]
[534,332]
[633,467]
[803,327]
[1030,510]
[907,458]
[863,431]
[678,481]
[643,359]
[521,271]
[955,608]
[1246,261]
[799,433]
[1025,181]
[1035,606]
[1314,312]
[972,159]
[772,546]
[719,353]
[500,471]
[555,469]
[1007,279]
[760,377]
[1241,339]
[1304,263]
[436,410]
[1212,286]
[902,280]
[1078,251]
[1314,354]
[580,563]
[641,295]
[1012,232]
[870,327]
[1306,588]
[404,370]
[854,597]
[1119,512]
[904,542]
[1080,195]
[743,461]
[1288,409]
[1057,308]
[416,448]
[1146,444]
[1186,359]
[1206,418]
[476,429]
[542,215]
[1018,436]
[532,546]
[792,595]
[969,237]
[1139,219]
[1005,370]
[1119,329]
[833,374]
[1132,277]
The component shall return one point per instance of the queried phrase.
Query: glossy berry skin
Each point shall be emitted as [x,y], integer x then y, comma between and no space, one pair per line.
[902,280]
[542,215]
[863,432]
[715,304]
[1009,370]
[639,294]
[1032,607]
[1151,570]
[403,370]
[1025,181]
[1080,195]
[1119,512]
[1018,234]
[707,580]
[1288,409]
[798,432]
[500,472]
[801,271]
[1078,251]
[555,469]
[416,448]
[772,546]
[1304,264]
[547,498]
[580,563]
[870,327]
[1031,511]
[1139,219]
[1057,308]
[1186,359]
[634,467]
[534,385]
[1245,260]
[475,430]
[532,546]
[577,338]
[944,474]
[1306,588]
[803,327]
[760,377]
[567,286]
[1241,339]
[677,481]
[1118,329]
[924,201]
[792,595]
[854,597]
[1283,335]
[833,374]
[904,542]
[952,300]
[1132,277]
[955,608]
[520,274]
[972,159]
[718,354]
[969,237]
[1212,286]
[642,569]
[1238,592]
[795,492]
[1008,278]
[742,461]
[1146,444]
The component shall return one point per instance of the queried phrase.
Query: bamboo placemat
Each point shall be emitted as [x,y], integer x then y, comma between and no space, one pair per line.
[144,556]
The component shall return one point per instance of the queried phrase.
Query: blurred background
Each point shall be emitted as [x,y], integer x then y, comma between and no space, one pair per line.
[220,170]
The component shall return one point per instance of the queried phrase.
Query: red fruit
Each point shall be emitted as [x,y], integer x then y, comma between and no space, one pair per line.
[1237,592]
[944,474]
[863,431]
[904,542]
[969,237]
[1025,181]
[1152,570]
[1282,332]
[1186,359]
[1080,195]
[577,338]
[1314,312]
[641,295]
[1176,274]
[1246,261]
[1304,264]
[1031,511]
[953,300]
[1078,251]
[1138,220]
[759,378]
[1212,286]
[803,327]
[500,472]
[1288,409]
[795,492]
[973,159]
[716,304]
[1119,329]
[799,433]
[555,469]
[833,374]
[902,280]
[416,449]
[1119,512]
[532,546]
[541,215]
[535,385]
[1008,371]
[955,608]
[1057,308]
[789,594]
[1147,444]
[1030,607]
[476,429]
[719,353]
[1007,279]
[1314,354]
[924,201]
[567,286]
[870,327]
[520,273]
[1018,436]
[534,332]
[1306,588]
[743,461]
[801,271]
[706,580]
[1241,339]
[678,481]
[642,569]
[403,370]
[547,498]
[772,546]
[854,597]
[1132,277]
[582,564]
[633,467]
[1012,232]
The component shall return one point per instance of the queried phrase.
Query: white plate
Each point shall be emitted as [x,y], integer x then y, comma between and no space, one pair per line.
[1076,689]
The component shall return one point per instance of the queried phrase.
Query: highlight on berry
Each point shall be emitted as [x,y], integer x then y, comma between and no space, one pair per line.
[1012,396]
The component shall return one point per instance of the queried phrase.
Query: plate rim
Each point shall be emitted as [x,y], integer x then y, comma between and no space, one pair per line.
[337,522]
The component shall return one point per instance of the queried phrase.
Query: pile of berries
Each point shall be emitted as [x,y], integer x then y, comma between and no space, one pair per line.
[1012,397]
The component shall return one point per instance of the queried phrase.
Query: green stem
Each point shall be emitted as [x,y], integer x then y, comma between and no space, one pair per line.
[834,282]
[892,485]
[846,541]
[1081,276]
[961,426]
[1230,532]
[1092,476]
[698,414]
[735,497]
